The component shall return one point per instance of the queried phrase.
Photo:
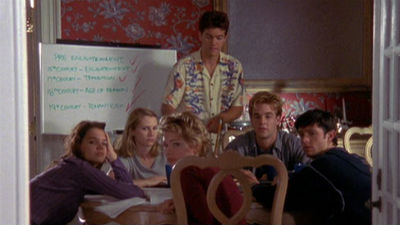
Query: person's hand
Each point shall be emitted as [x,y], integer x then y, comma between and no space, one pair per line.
[156,180]
[166,207]
[111,155]
[111,174]
[251,178]
[213,124]
[152,181]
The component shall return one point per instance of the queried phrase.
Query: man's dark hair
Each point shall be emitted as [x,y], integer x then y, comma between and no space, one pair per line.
[321,118]
[214,19]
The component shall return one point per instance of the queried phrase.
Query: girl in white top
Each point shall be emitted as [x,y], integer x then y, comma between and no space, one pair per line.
[139,150]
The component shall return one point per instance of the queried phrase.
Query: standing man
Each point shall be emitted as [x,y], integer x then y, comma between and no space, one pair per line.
[336,186]
[265,111]
[208,82]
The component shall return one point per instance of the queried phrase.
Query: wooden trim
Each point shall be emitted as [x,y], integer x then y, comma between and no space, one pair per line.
[367,42]
[305,86]
[50,19]
[105,44]
[220,5]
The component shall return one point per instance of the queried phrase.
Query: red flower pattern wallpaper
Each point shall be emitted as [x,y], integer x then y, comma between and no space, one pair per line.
[172,24]
[355,106]
[169,24]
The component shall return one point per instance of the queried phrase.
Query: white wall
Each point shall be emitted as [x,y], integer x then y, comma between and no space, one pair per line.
[14,166]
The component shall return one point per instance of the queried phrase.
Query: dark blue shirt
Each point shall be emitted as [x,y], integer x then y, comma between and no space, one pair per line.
[335,187]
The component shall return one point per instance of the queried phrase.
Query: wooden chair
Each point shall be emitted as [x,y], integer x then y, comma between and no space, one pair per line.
[355,130]
[117,141]
[216,150]
[230,163]
[368,151]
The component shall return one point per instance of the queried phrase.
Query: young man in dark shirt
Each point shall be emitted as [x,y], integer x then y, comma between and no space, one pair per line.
[336,186]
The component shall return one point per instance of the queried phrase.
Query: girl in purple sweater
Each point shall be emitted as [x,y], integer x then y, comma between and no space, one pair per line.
[57,192]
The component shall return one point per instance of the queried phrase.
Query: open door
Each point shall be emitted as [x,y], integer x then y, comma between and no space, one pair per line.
[14,182]
[386,113]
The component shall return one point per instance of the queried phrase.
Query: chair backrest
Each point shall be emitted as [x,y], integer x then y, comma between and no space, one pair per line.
[368,151]
[355,130]
[230,135]
[230,163]
[216,150]
[117,141]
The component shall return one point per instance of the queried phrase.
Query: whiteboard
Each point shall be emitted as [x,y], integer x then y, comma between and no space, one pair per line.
[99,83]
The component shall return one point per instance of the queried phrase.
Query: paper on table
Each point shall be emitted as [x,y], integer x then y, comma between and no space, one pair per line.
[101,198]
[113,209]
[158,195]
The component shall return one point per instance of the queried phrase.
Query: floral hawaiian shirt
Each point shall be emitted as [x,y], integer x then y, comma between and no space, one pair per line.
[191,88]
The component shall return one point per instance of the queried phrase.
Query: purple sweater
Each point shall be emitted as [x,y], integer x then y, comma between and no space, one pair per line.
[57,193]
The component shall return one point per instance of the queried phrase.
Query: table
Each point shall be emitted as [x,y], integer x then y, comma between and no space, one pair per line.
[140,214]
[148,213]
[260,215]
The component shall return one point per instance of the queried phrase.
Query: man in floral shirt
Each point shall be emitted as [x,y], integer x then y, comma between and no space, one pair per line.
[208,82]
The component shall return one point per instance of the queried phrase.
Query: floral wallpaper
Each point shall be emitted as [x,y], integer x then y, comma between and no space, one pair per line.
[170,24]
[357,107]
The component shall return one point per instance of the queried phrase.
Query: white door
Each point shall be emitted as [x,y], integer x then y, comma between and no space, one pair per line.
[386,112]
[14,182]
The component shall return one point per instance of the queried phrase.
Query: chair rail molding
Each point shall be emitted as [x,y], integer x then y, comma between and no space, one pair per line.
[50,19]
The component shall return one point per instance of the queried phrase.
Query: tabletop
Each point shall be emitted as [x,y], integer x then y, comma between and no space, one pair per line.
[147,212]
[141,213]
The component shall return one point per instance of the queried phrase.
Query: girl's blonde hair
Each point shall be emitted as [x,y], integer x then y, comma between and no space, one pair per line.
[127,145]
[190,128]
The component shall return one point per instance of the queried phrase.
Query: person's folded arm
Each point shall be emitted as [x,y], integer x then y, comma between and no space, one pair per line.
[97,181]
[167,109]
[151,182]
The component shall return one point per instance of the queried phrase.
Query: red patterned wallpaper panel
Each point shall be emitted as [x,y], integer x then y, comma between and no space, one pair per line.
[170,24]
[357,106]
